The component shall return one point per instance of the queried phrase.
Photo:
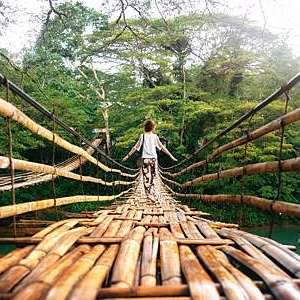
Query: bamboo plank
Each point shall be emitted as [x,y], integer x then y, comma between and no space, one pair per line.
[251,250]
[126,262]
[200,284]
[246,283]
[150,250]
[281,286]
[63,286]
[282,257]
[230,285]
[157,291]
[88,287]
[61,247]
[170,259]
[102,227]
[14,257]
[40,287]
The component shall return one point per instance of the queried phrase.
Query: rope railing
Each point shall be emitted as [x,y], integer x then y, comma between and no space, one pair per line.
[9,110]
[36,167]
[48,114]
[283,89]
[17,209]
[289,165]
[29,178]
[289,209]
[270,127]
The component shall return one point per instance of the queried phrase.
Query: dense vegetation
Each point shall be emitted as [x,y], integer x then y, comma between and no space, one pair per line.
[193,73]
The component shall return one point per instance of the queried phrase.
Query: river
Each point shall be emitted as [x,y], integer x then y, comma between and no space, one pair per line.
[284,234]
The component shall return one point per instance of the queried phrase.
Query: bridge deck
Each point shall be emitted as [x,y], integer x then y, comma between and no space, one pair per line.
[145,249]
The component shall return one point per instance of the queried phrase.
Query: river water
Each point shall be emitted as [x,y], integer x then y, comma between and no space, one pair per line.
[284,234]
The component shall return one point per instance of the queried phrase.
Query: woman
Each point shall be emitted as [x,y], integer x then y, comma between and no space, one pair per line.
[149,142]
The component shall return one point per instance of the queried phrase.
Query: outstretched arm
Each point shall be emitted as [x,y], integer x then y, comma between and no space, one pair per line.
[137,146]
[164,149]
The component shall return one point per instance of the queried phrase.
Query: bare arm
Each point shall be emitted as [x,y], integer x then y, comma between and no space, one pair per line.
[134,148]
[164,149]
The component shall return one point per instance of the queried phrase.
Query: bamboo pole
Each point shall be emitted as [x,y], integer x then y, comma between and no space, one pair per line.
[231,287]
[9,110]
[150,250]
[142,291]
[14,257]
[126,262]
[201,286]
[45,169]
[272,126]
[281,286]
[245,282]
[251,250]
[289,165]
[282,257]
[10,210]
[63,286]
[287,208]
[43,282]
[88,287]
[169,258]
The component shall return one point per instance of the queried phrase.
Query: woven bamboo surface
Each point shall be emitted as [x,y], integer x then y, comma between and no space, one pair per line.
[140,248]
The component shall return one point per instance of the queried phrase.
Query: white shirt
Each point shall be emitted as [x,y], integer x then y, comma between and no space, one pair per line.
[151,142]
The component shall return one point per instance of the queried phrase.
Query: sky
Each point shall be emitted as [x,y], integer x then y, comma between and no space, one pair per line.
[279,16]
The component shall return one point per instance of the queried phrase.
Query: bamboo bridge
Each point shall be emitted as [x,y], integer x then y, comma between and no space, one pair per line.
[137,248]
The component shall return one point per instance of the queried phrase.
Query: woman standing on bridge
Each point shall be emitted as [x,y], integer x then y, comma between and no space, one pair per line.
[149,142]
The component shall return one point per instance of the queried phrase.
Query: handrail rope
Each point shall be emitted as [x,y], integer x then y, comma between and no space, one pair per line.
[47,113]
[69,164]
[291,83]
[7,109]
[287,208]
[279,185]
[288,165]
[21,208]
[11,165]
[263,130]
[22,164]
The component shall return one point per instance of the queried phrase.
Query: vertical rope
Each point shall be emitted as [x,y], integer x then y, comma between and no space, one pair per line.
[53,163]
[279,185]
[81,182]
[112,179]
[97,175]
[244,171]
[11,166]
